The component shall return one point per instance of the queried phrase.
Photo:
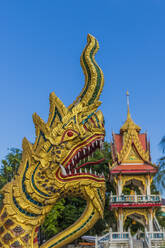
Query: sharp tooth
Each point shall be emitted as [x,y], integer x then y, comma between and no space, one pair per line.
[86,170]
[79,154]
[90,171]
[102,174]
[69,167]
[95,173]
[96,142]
[88,149]
[63,170]
[72,161]
[93,145]
[70,172]
[84,151]
[80,170]
[75,172]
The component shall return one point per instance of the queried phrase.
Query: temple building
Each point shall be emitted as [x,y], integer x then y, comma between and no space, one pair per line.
[133,202]
[132,169]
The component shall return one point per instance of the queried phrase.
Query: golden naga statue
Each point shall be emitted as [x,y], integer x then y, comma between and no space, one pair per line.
[51,167]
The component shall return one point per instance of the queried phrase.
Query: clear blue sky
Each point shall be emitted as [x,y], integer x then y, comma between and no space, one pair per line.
[40,47]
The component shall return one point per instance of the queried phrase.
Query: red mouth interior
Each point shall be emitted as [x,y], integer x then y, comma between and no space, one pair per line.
[79,164]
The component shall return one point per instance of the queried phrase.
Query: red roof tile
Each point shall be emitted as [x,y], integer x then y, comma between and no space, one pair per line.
[143,139]
[118,142]
[133,169]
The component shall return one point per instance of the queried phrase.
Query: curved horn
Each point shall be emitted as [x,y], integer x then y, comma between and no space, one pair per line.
[94,79]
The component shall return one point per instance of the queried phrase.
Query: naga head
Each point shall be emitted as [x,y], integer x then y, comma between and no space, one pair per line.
[54,166]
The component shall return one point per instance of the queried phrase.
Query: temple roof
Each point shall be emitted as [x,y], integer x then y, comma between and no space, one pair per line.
[129,124]
[131,150]
[118,139]
[134,169]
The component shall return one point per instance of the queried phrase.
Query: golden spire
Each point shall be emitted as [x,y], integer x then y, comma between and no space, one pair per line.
[128,112]
[127,94]
[129,123]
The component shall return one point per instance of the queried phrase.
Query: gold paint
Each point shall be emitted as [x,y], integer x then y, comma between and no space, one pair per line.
[133,155]
[143,212]
[141,178]
[132,150]
[39,183]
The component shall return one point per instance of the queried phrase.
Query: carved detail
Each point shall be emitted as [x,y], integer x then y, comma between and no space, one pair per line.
[143,212]
[47,171]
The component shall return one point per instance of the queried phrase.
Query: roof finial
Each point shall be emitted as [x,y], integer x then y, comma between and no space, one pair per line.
[129,123]
[128,113]
[127,94]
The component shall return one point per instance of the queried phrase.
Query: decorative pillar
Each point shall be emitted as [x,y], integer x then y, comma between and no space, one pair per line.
[120,221]
[150,220]
[148,188]
[96,242]
[119,186]
[110,234]
[130,238]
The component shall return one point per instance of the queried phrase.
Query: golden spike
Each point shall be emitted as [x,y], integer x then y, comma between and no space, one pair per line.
[57,110]
[128,111]
[39,123]
[129,123]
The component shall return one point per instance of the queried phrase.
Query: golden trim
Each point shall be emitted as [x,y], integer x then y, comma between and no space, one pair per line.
[143,212]
[131,177]
[39,183]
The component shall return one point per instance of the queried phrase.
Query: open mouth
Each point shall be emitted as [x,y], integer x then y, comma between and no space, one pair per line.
[80,164]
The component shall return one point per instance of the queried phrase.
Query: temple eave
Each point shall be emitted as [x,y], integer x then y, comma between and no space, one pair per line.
[134,205]
[134,169]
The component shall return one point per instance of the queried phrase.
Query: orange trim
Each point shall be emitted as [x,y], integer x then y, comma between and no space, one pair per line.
[84,243]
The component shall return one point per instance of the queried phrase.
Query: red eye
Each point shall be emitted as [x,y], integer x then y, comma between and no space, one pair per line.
[70,133]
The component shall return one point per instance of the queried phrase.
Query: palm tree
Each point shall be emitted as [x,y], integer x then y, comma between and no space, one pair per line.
[162,144]
[9,166]
[160,176]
